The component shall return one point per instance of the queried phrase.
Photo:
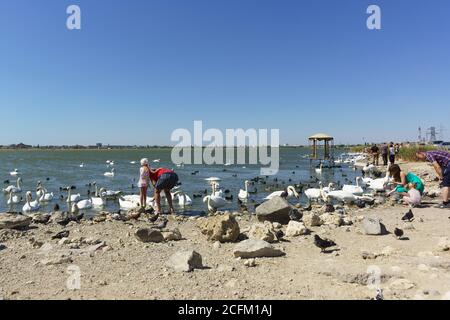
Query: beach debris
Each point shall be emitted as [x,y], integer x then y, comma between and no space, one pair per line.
[223,228]
[263,231]
[366,255]
[254,248]
[172,235]
[14,221]
[276,209]
[323,243]
[149,235]
[185,261]
[296,228]
[409,216]
[312,220]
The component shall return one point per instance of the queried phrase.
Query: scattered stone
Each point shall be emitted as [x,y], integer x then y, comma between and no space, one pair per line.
[296,228]
[56,260]
[312,220]
[253,248]
[2,247]
[372,226]
[172,235]
[401,284]
[387,251]
[331,219]
[250,263]
[64,241]
[185,261]
[368,255]
[277,225]
[276,209]
[216,245]
[263,231]
[225,268]
[42,218]
[101,217]
[14,221]
[444,244]
[149,235]
[223,228]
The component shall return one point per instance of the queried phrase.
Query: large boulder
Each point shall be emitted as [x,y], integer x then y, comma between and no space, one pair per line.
[263,231]
[185,261]
[276,209]
[149,235]
[254,248]
[223,228]
[296,228]
[172,235]
[40,217]
[14,221]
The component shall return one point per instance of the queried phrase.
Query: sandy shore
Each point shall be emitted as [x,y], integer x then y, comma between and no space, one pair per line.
[114,264]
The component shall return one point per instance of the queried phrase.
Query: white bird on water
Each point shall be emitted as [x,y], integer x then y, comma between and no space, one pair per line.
[13,199]
[110,174]
[82,165]
[14,173]
[356,190]
[14,189]
[244,194]
[30,206]
[320,168]
[314,193]
[45,196]
[290,192]
[72,197]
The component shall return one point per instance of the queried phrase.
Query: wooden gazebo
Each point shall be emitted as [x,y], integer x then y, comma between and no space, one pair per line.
[315,142]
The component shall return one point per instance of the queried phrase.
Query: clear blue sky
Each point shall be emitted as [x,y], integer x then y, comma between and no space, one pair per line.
[139,69]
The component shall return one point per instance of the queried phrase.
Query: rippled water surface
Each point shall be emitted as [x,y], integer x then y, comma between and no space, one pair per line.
[62,168]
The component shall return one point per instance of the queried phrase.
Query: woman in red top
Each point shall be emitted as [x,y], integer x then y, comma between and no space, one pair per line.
[163,179]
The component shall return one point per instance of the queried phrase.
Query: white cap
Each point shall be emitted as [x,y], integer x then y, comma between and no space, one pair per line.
[144,161]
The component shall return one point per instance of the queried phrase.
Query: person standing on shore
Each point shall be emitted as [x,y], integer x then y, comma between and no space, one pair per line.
[375,154]
[163,179]
[441,163]
[144,181]
[391,153]
[385,153]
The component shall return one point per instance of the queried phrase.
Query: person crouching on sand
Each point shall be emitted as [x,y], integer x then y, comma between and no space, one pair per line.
[163,179]
[144,181]
[414,197]
[402,180]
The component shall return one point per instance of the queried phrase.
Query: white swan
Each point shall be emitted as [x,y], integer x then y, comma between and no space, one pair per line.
[380,183]
[314,193]
[320,168]
[110,174]
[45,196]
[214,202]
[30,206]
[244,194]
[84,204]
[72,197]
[133,162]
[13,199]
[14,173]
[340,195]
[82,165]
[130,202]
[39,189]
[14,189]
[98,201]
[290,192]
[183,199]
[356,190]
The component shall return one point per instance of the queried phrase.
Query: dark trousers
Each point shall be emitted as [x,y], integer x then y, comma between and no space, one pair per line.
[385,159]
[392,158]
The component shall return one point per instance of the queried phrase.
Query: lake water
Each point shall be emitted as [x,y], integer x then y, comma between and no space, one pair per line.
[59,168]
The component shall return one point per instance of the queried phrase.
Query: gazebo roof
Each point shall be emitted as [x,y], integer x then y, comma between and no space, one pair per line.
[321,136]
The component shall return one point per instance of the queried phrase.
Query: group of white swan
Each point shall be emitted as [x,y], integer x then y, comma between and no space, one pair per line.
[348,193]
